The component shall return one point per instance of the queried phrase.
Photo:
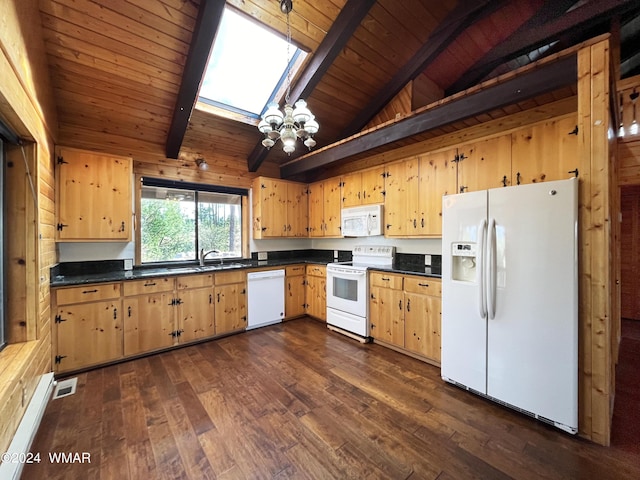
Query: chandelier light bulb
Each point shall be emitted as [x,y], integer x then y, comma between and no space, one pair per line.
[268,143]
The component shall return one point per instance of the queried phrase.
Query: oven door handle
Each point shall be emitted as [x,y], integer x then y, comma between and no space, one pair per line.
[342,271]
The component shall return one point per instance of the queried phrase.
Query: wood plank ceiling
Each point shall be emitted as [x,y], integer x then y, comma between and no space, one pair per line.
[118,65]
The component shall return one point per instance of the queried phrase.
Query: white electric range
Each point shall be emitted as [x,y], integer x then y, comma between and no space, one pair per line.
[348,289]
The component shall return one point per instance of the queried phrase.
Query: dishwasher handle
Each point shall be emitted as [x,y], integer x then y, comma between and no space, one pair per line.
[265,275]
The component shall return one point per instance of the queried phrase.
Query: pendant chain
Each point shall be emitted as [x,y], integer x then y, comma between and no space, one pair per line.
[286,98]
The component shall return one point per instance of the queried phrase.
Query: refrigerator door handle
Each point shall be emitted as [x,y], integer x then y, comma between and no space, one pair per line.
[482,300]
[491,269]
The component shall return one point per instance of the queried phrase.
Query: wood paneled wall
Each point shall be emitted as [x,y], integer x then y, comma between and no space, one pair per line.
[596,266]
[26,105]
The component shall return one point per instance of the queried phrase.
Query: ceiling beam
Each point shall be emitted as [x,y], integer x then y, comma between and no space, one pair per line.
[206,28]
[535,82]
[460,18]
[527,39]
[348,20]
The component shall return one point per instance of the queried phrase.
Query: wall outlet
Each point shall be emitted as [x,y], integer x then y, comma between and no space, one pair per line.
[427,260]
[262,255]
[128,263]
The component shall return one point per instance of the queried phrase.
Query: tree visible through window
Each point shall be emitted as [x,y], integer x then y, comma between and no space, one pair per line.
[177,222]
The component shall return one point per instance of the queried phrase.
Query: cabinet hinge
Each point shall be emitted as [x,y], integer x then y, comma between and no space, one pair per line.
[305,305]
[575,172]
[176,333]
[59,358]
[60,226]
[60,160]
[59,319]
[574,131]
[384,193]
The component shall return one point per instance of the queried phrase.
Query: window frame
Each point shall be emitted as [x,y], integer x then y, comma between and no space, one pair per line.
[144,180]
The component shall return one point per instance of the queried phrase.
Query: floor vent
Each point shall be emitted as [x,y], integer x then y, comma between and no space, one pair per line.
[64,388]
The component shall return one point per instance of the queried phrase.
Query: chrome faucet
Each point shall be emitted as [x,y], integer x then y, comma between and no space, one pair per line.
[203,255]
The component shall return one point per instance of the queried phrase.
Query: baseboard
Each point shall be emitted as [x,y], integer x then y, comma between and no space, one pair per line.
[23,438]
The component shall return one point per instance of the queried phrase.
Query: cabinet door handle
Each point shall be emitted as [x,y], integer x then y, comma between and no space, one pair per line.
[385,279]
[150,284]
[115,313]
[423,284]
[409,305]
[210,299]
[122,227]
[422,222]
[89,291]
[415,223]
[400,304]
[218,297]
[129,311]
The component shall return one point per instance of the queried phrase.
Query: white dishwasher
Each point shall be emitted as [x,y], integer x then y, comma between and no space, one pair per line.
[266,298]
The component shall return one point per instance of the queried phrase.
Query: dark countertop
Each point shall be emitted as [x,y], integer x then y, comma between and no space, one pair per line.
[138,273]
[421,270]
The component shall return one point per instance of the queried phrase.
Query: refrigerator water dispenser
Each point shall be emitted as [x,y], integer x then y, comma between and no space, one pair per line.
[463,261]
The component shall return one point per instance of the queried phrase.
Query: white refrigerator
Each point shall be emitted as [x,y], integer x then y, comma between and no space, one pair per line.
[510,297]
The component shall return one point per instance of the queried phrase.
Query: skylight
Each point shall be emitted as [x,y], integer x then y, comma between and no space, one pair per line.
[247,65]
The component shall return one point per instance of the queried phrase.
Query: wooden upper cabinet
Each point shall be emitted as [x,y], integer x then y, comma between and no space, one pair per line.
[297,210]
[545,151]
[332,196]
[279,208]
[269,208]
[93,193]
[438,177]
[484,164]
[316,209]
[400,208]
[325,205]
[363,188]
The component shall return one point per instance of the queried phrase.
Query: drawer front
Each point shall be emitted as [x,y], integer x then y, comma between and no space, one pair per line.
[317,270]
[388,280]
[150,285]
[423,285]
[194,281]
[295,270]
[87,293]
[225,278]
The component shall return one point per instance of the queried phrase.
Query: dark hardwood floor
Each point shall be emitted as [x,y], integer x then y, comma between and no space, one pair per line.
[297,401]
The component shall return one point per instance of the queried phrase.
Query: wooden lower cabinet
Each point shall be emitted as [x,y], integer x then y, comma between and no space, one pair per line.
[149,315]
[423,310]
[405,312]
[230,302]
[87,333]
[386,308]
[148,322]
[194,302]
[98,324]
[316,291]
[195,314]
[294,291]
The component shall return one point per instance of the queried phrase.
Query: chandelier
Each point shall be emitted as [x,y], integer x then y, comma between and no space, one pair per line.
[297,121]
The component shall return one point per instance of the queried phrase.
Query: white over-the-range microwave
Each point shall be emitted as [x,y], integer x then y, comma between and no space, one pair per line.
[364,221]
